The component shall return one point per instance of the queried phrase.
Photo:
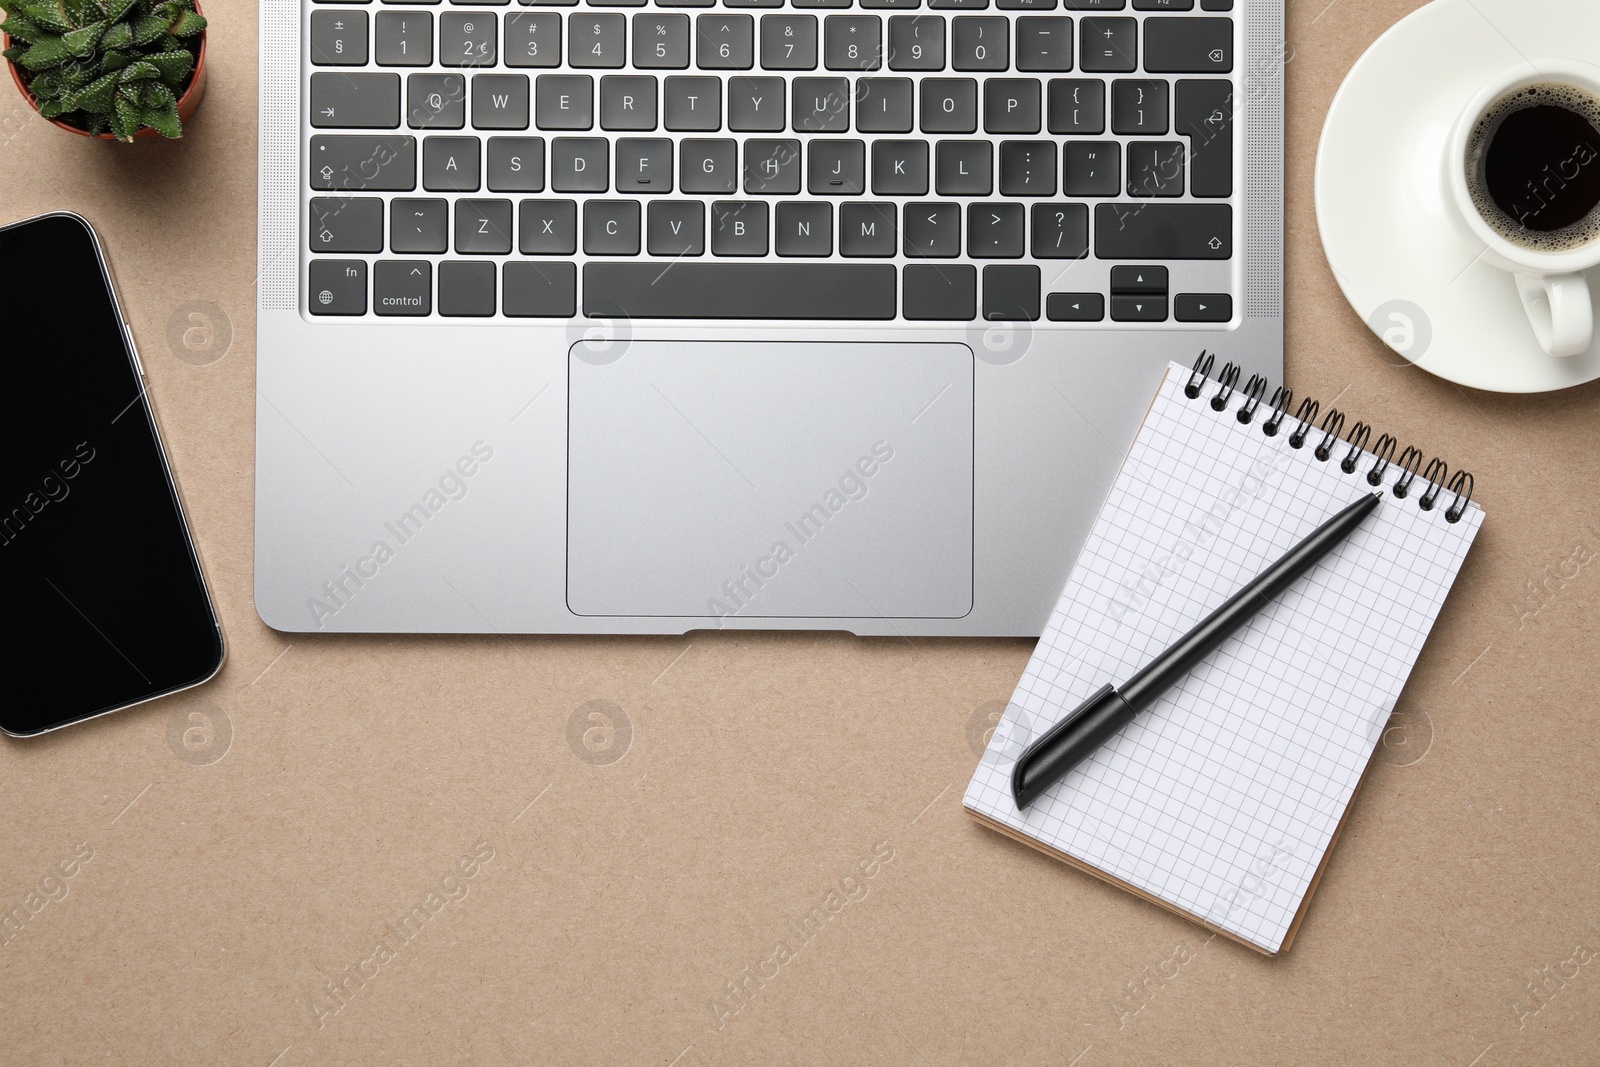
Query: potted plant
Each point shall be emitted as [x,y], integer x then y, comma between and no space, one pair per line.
[108,68]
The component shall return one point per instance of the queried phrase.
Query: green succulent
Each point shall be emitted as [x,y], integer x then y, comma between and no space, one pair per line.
[106,66]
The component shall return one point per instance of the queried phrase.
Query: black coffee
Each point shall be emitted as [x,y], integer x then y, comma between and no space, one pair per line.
[1533,167]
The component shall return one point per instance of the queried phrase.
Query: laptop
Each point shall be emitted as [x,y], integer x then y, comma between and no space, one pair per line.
[649,316]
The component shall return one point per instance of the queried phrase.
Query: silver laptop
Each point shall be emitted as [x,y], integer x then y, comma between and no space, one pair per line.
[644,317]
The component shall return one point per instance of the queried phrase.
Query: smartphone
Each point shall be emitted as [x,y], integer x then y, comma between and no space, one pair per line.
[106,603]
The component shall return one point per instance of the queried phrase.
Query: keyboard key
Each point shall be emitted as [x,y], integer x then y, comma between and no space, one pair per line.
[963,168]
[1163,5]
[346,224]
[419,226]
[539,290]
[868,229]
[836,167]
[597,39]
[1204,113]
[1044,42]
[804,229]
[1027,168]
[450,164]
[916,42]
[402,287]
[644,165]
[883,105]
[338,38]
[676,228]
[742,290]
[821,105]
[1145,307]
[756,105]
[724,42]
[771,168]
[738,228]
[996,231]
[821,3]
[343,100]
[1138,106]
[483,227]
[580,165]
[1109,46]
[500,102]
[891,3]
[1011,293]
[546,228]
[1163,231]
[900,168]
[403,38]
[516,165]
[1011,105]
[1091,168]
[533,39]
[1060,231]
[436,101]
[958,5]
[1075,307]
[337,287]
[661,42]
[693,104]
[1138,280]
[1155,168]
[1025,5]
[944,293]
[466,288]
[708,166]
[611,228]
[949,105]
[789,42]
[933,231]
[980,42]
[1188,46]
[852,42]
[467,39]
[752,3]
[1077,105]
[1094,5]
[1202,307]
[628,102]
[564,101]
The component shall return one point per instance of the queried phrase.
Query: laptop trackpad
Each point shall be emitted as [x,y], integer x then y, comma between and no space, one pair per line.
[770,479]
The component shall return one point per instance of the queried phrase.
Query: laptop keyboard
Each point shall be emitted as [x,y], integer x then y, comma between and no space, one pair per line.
[1067,161]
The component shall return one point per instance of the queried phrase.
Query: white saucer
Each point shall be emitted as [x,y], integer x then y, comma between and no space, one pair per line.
[1381,197]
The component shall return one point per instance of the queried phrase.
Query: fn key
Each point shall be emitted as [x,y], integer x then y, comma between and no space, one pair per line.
[337,287]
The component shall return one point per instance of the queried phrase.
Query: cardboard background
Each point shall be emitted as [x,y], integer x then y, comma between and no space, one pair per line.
[624,901]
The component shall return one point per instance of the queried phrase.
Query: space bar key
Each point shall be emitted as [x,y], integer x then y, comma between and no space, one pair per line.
[667,290]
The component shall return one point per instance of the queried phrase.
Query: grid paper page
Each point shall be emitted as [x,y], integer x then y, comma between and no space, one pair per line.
[1222,798]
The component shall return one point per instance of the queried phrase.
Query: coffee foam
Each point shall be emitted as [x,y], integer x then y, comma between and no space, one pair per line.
[1580,102]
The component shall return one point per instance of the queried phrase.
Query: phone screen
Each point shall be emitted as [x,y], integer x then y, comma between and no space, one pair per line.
[105,598]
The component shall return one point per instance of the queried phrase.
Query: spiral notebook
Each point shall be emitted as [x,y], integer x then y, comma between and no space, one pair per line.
[1223,800]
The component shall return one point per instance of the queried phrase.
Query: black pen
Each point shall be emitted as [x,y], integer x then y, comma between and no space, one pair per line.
[1065,744]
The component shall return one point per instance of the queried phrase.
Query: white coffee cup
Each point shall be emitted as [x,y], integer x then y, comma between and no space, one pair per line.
[1551,283]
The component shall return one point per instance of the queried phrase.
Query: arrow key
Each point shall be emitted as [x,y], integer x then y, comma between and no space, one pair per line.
[1202,307]
[1139,280]
[1140,308]
[1075,307]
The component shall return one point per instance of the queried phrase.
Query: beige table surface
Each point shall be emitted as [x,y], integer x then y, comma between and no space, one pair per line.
[627,911]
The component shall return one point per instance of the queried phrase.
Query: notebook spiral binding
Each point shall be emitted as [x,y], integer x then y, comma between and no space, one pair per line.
[1436,474]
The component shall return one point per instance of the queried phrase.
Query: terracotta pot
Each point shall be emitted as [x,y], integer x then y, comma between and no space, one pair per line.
[188,100]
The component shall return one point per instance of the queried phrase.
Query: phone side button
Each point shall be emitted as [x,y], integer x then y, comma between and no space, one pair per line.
[133,350]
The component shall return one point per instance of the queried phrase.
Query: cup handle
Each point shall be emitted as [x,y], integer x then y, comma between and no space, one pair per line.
[1560,310]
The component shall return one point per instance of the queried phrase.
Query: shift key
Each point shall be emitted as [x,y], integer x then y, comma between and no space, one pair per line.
[1163,231]
[340,99]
